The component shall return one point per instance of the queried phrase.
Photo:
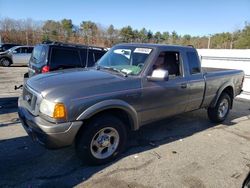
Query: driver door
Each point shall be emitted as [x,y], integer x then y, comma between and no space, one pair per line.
[165,98]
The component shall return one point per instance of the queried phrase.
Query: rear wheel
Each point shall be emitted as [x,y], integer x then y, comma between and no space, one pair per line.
[219,113]
[5,62]
[102,140]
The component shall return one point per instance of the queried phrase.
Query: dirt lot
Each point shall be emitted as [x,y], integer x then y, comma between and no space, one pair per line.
[183,151]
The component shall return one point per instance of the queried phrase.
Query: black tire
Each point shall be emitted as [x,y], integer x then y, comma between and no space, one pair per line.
[213,113]
[88,133]
[5,62]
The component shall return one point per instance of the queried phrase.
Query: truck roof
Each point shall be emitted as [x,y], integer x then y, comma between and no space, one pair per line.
[149,45]
[73,45]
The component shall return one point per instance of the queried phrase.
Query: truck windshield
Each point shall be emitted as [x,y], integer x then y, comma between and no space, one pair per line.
[129,60]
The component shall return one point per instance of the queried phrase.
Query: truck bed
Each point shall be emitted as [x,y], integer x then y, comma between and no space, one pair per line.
[210,69]
[217,77]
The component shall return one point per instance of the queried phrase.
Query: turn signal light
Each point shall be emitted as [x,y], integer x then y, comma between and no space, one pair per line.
[59,111]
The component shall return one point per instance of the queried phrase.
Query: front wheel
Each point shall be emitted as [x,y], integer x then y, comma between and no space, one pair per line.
[5,62]
[219,113]
[102,140]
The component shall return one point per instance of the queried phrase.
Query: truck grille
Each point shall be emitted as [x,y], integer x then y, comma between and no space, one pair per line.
[30,98]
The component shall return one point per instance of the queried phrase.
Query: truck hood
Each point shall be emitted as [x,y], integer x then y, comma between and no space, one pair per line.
[74,83]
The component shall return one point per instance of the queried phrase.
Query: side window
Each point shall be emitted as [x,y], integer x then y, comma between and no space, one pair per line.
[98,54]
[193,62]
[170,61]
[83,53]
[63,58]
[91,60]
[24,50]
[30,49]
[18,50]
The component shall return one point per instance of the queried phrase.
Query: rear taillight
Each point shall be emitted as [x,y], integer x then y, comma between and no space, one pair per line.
[45,69]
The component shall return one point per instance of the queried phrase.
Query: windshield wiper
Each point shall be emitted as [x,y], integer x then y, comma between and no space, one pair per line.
[113,69]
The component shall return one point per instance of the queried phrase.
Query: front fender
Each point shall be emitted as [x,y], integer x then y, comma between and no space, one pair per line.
[111,104]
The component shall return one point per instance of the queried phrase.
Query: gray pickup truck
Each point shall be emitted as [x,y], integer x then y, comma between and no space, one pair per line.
[131,85]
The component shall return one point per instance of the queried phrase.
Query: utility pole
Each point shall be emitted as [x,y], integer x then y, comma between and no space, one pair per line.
[209,40]
[27,39]
[231,41]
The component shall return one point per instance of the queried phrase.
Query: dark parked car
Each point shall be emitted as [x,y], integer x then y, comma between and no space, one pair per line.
[6,46]
[131,86]
[52,56]
[17,55]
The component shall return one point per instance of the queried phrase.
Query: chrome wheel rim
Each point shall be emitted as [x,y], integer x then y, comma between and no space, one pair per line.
[104,143]
[223,108]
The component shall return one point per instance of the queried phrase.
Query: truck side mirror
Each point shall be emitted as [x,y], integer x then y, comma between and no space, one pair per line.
[159,75]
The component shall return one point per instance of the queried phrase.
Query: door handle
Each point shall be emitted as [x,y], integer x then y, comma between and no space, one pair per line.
[184,85]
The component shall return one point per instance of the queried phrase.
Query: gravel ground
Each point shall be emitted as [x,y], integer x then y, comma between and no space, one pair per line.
[183,151]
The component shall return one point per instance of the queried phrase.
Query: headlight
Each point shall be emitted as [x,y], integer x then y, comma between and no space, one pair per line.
[54,110]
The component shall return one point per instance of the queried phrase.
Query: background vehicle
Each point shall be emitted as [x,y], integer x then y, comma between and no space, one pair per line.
[6,46]
[246,183]
[18,55]
[52,56]
[132,85]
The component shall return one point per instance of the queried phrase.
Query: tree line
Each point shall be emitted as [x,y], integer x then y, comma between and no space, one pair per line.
[30,32]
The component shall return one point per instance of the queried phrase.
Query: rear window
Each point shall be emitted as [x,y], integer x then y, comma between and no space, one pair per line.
[65,58]
[194,65]
[38,54]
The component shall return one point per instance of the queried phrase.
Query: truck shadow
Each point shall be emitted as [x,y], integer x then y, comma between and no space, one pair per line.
[27,164]
[8,105]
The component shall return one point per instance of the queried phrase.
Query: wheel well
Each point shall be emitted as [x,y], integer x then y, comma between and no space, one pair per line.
[117,112]
[229,90]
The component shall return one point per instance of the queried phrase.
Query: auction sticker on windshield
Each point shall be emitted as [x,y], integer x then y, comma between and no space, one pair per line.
[143,50]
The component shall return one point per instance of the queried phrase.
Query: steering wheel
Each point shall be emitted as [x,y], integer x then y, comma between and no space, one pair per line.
[140,65]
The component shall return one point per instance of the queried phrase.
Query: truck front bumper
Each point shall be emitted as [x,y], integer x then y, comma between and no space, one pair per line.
[49,134]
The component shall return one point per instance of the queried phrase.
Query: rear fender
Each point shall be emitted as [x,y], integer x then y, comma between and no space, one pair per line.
[219,92]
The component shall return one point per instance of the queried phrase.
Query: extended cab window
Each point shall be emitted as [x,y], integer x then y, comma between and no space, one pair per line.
[64,58]
[193,62]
